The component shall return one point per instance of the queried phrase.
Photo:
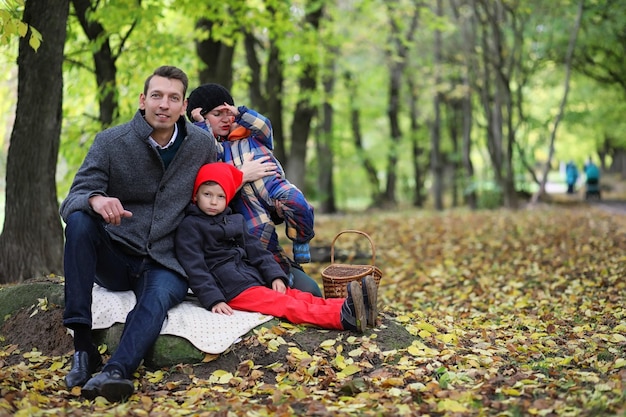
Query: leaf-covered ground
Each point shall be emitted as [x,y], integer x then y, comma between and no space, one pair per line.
[511,314]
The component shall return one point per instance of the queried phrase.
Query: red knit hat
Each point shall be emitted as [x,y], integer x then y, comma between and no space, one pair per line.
[226,175]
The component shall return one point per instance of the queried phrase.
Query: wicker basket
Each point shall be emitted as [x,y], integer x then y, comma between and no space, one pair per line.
[336,277]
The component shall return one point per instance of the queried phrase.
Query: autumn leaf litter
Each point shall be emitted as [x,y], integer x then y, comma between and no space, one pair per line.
[505,312]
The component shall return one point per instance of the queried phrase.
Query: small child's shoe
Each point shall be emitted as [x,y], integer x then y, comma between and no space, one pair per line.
[301,253]
[353,309]
[370,299]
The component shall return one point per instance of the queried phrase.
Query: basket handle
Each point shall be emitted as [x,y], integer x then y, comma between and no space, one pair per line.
[332,245]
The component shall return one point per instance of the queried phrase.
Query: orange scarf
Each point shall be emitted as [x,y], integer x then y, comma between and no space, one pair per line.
[240,132]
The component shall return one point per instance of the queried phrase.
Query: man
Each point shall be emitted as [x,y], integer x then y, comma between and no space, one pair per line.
[121,213]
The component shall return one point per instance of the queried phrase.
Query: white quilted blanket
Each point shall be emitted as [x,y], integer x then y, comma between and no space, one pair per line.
[207,331]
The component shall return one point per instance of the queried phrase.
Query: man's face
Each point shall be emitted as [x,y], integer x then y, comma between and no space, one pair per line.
[163,103]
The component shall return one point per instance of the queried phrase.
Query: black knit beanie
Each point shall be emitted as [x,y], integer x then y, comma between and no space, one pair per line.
[208,96]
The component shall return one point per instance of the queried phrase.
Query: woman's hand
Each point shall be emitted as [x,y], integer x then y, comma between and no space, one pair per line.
[257,168]
[195,114]
[234,111]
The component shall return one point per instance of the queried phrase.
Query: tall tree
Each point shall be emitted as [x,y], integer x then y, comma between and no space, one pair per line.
[265,58]
[356,132]
[600,56]
[402,26]
[559,116]
[500,29]
[225,26]
[216,53]
[305,109]
[104,56]
[417,149]
[31,243]
[436,157]
[324,139]
[468,72]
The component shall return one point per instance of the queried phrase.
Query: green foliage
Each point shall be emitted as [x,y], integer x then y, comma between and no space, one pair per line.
[354,36]
[11,24]
[168,43]
[489,194]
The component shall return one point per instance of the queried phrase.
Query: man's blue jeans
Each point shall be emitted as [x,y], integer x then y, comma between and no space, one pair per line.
[91,256]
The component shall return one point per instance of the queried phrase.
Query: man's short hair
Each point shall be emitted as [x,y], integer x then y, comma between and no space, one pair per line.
[170,72]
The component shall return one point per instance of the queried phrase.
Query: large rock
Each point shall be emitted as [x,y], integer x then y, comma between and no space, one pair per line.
[45,295]
[17,297]
[31,324]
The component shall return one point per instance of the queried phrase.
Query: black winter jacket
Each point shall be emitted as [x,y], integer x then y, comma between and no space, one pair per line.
[221,258]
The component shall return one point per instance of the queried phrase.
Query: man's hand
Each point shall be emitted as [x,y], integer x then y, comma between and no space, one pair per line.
[257,168]
[222,308]
[279,285]
[110,208]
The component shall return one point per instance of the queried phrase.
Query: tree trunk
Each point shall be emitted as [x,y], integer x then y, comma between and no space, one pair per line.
[618,164]
[355,125]
[568,71]
[469,68]
[500,63]
[217,56]
[470,194]
[31,243]
[436,161]
[255,92]
[104,61]
[304,112]
[398,56]
[265,97]
[300,128]
[325,160]
[274,91]
[454,122]
[393,110]
[417,150]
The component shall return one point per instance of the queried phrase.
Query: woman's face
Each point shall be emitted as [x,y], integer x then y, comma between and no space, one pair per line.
[221,120]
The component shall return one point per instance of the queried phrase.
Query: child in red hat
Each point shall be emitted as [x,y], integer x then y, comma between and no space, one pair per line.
[228,268]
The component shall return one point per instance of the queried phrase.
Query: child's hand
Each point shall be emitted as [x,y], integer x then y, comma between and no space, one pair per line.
[195,114]
[279,286]
[222,308]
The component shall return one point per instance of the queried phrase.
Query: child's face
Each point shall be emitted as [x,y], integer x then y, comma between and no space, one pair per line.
[211,199]
[221,120]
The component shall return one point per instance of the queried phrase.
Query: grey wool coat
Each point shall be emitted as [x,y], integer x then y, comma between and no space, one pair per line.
[122,163]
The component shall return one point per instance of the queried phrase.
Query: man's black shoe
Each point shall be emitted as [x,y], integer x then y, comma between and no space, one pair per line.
[109,384]
[83,366]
